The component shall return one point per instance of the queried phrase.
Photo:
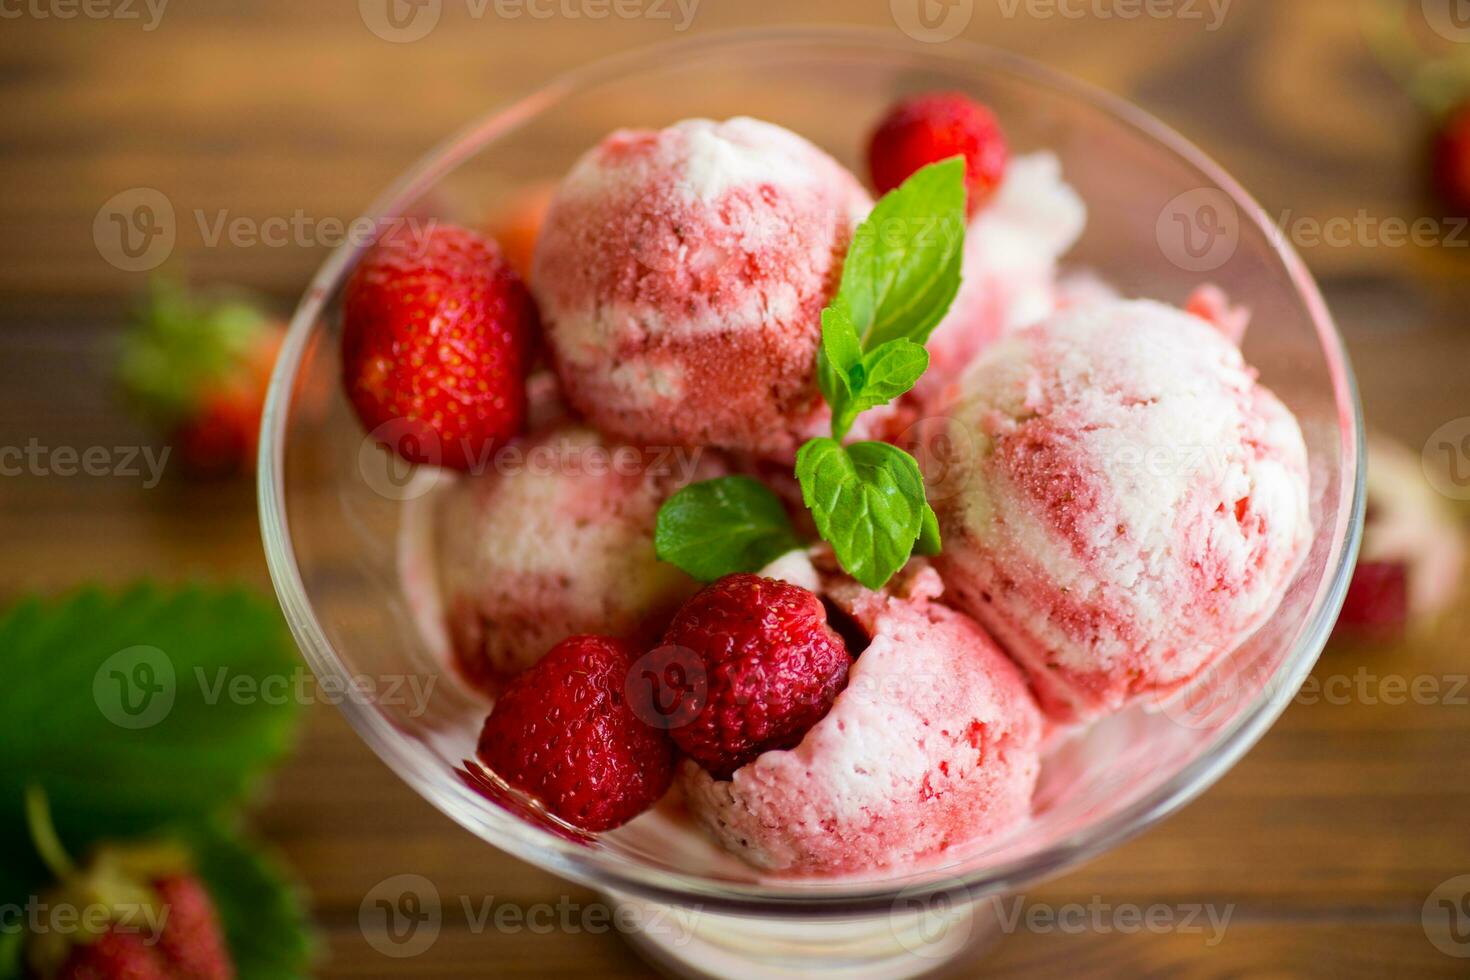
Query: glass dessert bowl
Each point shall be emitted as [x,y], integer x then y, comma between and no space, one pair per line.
[1161,219]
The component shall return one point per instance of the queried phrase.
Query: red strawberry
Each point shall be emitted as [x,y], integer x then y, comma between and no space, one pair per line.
[772,664]
[564,732]
[144,888]
[1452,161]
[199,370]
[1377,602]
[935,127]
[193,942]
[116,955]
[221,435]
[1413,553]
[191,946]
[436,334]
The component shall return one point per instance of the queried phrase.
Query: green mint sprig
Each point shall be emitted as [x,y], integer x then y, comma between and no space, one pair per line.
[901,274]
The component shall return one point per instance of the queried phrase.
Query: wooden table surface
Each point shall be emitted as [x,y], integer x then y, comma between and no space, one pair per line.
[1325,842]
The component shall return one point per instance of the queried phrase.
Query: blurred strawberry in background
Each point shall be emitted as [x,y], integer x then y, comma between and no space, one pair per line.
[196,367]
[516,226]
[1413,552]
[1452,160]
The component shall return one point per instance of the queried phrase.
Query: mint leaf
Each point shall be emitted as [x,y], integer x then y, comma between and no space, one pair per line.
[868,503]
[719,527]
[839,354]
[903,266]
[113,705]
[930,542]
[260,908]
[881,376]
[840,341]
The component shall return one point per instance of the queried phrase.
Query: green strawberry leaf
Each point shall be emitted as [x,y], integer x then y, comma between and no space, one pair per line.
[142,714]
[903,267]
[261,909]
[868,503]
[719,527]
[127,709]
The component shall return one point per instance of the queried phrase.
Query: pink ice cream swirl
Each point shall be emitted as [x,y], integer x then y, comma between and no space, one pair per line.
[1123,503]
[681,275]
[554,539]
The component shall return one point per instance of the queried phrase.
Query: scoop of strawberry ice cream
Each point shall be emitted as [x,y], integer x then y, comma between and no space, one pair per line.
[933,744]
[1009,276]
[1125,502]
[681,275]
[554,539]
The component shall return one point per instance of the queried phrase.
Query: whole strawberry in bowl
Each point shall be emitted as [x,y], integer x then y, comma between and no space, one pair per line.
[436,335]
[933,127]
[566,732]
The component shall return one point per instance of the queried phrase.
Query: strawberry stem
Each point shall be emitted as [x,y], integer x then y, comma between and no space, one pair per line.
[43,834]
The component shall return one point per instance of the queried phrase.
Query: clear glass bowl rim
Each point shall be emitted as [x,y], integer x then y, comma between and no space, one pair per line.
[602,869]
